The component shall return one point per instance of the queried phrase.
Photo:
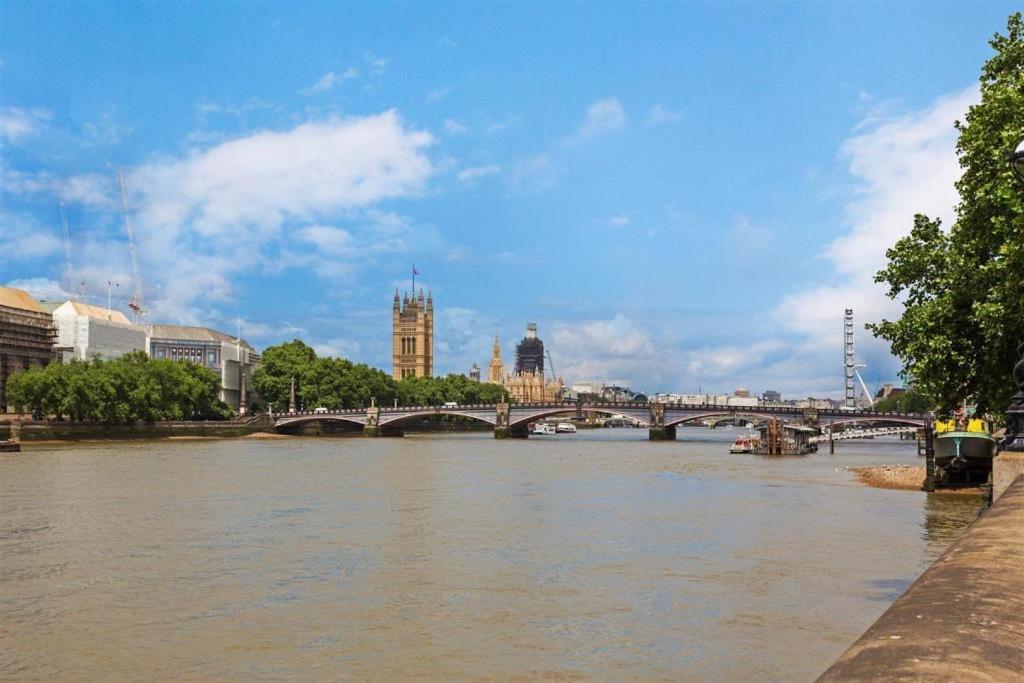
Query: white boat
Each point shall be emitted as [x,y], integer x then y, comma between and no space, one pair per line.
[543,428]
[565,428]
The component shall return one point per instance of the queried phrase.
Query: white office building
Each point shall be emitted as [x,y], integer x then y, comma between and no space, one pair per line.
[85,332]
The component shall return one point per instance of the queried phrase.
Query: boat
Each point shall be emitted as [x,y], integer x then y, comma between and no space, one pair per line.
[10,447]
[543,428]
[745,444]
[565,428]
[964,449]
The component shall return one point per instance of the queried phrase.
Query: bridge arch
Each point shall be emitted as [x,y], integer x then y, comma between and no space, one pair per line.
[544,413]
[750,417]
[305,418]
[388,420]
[885,419]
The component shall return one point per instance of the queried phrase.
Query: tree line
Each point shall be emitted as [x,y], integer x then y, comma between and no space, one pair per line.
[131,388]
[338,383]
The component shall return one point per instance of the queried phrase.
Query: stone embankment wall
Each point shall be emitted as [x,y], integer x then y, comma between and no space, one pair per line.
[75,431]
[963,619]
[1005,469]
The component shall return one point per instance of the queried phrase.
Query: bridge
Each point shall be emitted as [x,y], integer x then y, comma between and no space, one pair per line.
[512,420]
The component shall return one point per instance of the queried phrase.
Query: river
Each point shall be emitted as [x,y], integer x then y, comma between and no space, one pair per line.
[451,557]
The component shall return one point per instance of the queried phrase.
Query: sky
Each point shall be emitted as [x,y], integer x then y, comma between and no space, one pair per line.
[683,196]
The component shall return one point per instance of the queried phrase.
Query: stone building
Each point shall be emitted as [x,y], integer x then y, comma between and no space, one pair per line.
[524,387]
[412,336]
[232,358]
[530,387]
[87,331]
[474,373]
[496,369]
[27,336]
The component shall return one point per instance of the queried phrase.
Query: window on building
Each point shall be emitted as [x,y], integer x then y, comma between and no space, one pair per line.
[160,353]
[213,357]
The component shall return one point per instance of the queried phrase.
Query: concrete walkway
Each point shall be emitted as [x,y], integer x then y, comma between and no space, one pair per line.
[963,619]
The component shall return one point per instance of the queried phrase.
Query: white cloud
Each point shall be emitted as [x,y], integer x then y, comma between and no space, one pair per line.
[338,347]
[904,165]
[41,288]
[660,115]
[620,221]
[460,254]
[17,123]
[220,211]
[536,172]
[603,116]
[437,94]
[24,239]
[498,126]
[603,349]
[335,241]
[91,189]
[331,80]
[454,127]
[474,173]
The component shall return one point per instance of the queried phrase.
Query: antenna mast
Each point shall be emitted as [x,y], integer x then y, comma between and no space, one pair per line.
[135,304]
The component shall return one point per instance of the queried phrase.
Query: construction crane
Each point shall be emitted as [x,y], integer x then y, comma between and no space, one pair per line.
[551,364]
[78,293]
[135,304]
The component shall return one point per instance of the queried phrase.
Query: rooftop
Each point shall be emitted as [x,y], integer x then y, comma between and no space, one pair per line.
[20,299]
[187,332]
[79,308]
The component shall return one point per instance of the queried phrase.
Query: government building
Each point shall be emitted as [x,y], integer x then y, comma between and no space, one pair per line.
[412,336]
[527,384]
[27,336]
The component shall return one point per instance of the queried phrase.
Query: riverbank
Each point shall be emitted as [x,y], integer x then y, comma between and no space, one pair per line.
[49,431]
[902,478]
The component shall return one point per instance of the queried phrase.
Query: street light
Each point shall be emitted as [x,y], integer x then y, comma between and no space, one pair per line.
[1017,160]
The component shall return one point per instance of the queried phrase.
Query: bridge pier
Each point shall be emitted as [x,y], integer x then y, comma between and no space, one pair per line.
[502,427]
[658,431]
[661,433]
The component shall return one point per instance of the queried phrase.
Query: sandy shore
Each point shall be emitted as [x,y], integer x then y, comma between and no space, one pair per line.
[902,477]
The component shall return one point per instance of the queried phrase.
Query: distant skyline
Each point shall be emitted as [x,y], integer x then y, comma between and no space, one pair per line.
[680,195]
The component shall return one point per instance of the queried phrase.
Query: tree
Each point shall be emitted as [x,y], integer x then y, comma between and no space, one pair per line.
[132,387]
[278,365]
[963,291]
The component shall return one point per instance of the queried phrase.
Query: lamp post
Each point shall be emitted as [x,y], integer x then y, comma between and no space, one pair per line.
[1017,159]
[1014,439]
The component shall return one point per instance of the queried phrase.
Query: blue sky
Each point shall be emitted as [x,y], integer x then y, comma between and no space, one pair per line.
[680,195]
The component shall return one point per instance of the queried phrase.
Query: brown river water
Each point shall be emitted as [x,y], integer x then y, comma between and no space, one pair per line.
[596,556]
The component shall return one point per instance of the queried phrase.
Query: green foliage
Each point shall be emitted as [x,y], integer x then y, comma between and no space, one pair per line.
[909,401]
[338,383]
[963,291]
[133,387]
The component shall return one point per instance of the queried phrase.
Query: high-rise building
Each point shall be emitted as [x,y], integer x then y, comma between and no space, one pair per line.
[496,370]
[530,353]
[27,336]
[412,336]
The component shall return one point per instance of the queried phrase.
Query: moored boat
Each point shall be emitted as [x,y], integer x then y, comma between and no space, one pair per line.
[10,447]
[543,428]
[964,447]
[745,444]
[565,428]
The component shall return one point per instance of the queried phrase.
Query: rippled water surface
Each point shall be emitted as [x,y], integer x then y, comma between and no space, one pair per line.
[595,556]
